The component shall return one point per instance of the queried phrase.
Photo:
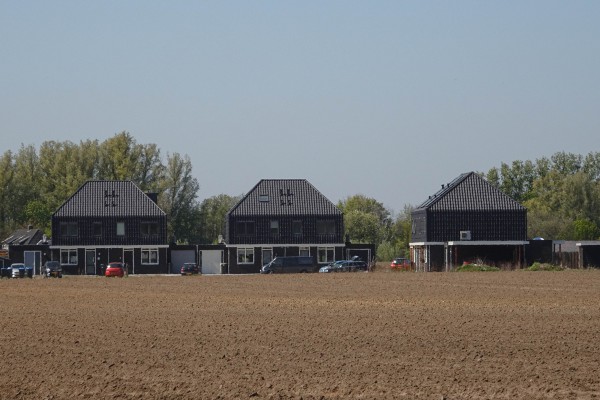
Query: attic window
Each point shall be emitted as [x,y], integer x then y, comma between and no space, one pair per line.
[263,198]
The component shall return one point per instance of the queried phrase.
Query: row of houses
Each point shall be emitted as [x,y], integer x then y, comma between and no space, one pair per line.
[104,221]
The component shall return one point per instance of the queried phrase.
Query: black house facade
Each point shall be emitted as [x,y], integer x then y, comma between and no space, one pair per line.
[468,219]
[106,221]
[282,217]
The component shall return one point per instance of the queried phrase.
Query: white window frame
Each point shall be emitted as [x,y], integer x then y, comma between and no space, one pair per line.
[149,258]
[244,252]
[326,250]
[70,257]
[307,249]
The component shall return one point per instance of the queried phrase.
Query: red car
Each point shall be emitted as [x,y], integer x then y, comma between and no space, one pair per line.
[400,264]
[115,269]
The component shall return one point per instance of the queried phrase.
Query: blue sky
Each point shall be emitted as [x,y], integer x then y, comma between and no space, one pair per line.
[389,99]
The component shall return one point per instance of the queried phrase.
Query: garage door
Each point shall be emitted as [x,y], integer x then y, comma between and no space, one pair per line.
[211,261]
[178,257]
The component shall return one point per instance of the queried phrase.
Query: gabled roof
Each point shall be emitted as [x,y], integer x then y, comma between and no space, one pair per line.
[284,197]
[22,237]
[470,191]
[109,199]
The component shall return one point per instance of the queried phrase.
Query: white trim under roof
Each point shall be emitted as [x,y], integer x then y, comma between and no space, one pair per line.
[488,243]
[427,244]
[116,246]
[287,245]
[588,243]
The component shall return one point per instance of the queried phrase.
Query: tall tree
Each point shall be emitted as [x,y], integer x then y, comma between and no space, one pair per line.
[6,187]
[178,199]
[212,211]
[366,220]
[119,157]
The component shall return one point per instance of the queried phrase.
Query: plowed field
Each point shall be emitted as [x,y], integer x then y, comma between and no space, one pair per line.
[382,335]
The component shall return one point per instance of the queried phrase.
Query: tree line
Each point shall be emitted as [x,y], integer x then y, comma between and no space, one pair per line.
[35,182]
[561,193]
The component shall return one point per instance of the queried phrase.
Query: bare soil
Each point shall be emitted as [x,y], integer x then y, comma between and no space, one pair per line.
[381,335]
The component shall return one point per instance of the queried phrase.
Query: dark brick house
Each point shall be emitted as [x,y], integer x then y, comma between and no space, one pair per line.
[282,217]
[468,219]
[107,221]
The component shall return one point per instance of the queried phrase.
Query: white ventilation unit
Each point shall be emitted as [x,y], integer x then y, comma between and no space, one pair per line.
[465,235]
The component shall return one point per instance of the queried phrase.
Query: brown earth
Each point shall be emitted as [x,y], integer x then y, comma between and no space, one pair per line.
[508,335]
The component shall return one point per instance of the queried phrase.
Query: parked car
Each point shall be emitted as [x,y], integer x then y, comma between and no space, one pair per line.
[19,270]
[345,266]
[115,269]
[333,267]
[289,264]
[400,264]
[190,269]
[53,269]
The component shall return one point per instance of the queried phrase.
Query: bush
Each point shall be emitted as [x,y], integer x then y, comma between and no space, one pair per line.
[476,268]
[544,267]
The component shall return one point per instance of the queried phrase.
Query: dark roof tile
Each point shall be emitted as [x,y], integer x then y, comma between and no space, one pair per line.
[470,191]
[284,197]
[109,199]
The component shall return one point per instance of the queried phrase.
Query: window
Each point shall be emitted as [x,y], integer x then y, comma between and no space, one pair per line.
[274,227]
[305,251]
[97,228]
[326,254]
[69,229]
[297,228]
[149,228]
[263,198]
[149,256]
[120,228]
[325,227]
[68,257]
[245,255]
[245,228]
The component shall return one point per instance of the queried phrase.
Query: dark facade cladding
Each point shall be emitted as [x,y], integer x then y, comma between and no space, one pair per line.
[107,221]
[469,204]
[284,211]
[282,217]
[468,220]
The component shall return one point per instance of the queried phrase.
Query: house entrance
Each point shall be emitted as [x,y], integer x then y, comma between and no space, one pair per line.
[128,260]
[90,262]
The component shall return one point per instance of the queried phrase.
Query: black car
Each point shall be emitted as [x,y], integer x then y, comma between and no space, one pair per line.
[53,269]
[352,266]
[190,269]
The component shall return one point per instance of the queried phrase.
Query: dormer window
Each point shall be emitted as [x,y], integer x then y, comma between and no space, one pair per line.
[263,198]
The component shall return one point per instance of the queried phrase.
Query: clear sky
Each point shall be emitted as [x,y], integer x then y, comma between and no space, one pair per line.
[389,99]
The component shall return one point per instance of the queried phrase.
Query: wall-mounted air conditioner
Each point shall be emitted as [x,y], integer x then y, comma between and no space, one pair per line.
[465,235]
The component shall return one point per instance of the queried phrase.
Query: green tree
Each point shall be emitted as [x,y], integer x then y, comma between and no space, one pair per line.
[212,211]
[363,227]
[366,220]
[178,199]
[39,215]
[584,229]
[6,187]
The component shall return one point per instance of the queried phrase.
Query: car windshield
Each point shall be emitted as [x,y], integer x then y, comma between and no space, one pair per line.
[115,266]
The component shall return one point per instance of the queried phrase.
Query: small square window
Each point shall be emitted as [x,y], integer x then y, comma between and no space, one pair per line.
[120,228]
